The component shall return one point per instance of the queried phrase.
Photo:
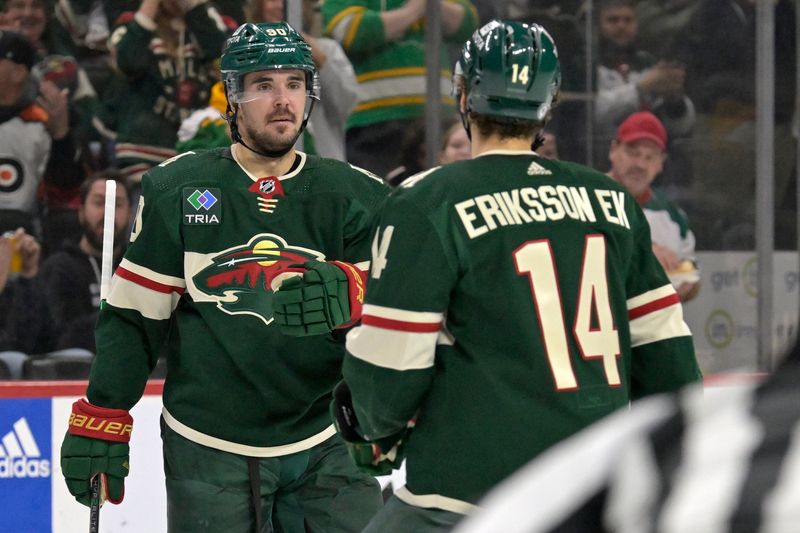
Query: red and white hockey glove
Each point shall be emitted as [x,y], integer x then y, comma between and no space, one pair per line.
[328,295]
[96,443]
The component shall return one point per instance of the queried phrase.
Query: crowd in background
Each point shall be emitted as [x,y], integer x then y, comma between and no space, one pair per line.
[105,89]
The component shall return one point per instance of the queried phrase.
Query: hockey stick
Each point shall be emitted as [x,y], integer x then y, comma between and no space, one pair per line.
[94,508]
[105,282]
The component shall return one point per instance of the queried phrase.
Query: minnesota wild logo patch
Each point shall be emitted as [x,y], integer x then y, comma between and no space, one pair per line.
[241,279]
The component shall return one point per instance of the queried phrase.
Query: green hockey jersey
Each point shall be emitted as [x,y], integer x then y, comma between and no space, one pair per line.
[511,301]
[209,242]
[390,73]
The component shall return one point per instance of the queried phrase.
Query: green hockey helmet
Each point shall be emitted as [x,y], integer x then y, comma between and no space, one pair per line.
[510,70]
[265,46]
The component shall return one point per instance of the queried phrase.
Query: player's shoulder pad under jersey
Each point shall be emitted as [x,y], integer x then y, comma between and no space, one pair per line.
[183,168]
[365,172]
[337,175]
[569,169]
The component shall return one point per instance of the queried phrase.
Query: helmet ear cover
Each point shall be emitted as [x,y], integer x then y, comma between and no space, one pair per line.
[510,71]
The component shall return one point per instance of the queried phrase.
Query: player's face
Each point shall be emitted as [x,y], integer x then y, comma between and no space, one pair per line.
[92,212]
[619,25]
[635,165]
[458,146]
[271,117]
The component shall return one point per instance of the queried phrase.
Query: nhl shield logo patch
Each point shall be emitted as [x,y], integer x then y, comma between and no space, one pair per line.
[268,189]
[202,206]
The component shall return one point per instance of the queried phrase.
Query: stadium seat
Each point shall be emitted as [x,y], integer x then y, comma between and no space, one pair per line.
[13,361]
[58,366]
[5,372]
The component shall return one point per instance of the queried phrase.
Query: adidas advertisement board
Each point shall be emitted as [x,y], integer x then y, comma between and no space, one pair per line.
[26,464]
[35,499]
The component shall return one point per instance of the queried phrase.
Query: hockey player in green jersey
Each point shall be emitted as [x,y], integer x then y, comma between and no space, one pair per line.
[248,440]
[512,300]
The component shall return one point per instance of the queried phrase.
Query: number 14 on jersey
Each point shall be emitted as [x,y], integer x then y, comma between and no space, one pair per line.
[535,260]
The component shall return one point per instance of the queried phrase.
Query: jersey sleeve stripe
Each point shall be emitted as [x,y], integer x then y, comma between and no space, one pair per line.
[152,274]
[396,350]
[655,305]
[402,315]
[146,282]
[658,325]
[152,304]
[399,325]
[649,296]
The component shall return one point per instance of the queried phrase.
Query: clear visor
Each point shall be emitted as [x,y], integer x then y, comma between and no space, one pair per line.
[237,94]
[242,97]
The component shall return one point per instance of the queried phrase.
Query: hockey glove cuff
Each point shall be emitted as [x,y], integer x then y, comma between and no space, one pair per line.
[377,457]
[327,296]
[96,443]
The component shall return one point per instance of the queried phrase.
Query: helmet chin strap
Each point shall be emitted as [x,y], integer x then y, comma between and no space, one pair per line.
[464,118]
[538,141]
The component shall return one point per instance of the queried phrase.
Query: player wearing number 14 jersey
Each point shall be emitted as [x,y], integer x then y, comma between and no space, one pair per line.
[512,300]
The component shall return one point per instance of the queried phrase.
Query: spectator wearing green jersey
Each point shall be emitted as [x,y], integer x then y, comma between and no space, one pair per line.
[385,40]
[165,54]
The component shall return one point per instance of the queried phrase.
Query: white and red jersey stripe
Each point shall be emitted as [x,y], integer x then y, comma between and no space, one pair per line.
[396,338]
[152,294]
[154,154]
[656,315]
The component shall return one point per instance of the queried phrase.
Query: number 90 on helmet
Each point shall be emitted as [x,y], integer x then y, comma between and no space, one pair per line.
[509,70]
[265,46]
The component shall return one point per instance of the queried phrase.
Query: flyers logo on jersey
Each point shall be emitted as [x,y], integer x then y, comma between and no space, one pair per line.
[241,279]
[11,175]
[268,189]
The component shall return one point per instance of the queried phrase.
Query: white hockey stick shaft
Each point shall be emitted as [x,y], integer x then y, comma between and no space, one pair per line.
[105,281]
[108,238]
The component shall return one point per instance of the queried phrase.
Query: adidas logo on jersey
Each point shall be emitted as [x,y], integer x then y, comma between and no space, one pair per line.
[535,169]
[19,454]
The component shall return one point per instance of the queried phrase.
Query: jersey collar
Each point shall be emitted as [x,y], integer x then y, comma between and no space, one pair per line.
[297,166]
[506,152]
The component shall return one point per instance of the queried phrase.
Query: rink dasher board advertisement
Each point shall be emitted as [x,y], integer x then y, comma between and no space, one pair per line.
[33,420]
[724,317]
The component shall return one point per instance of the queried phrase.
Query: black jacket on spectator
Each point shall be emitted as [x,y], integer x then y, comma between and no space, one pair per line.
[72,281]
[25,324]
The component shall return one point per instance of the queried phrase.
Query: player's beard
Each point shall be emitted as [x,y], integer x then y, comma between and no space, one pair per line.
[95,237]
[264,142]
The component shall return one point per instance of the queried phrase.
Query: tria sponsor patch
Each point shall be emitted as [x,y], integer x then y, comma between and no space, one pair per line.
[202,206]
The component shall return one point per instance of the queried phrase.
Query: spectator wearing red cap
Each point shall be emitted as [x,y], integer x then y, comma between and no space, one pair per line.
[629,79]
[637,157]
